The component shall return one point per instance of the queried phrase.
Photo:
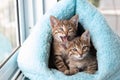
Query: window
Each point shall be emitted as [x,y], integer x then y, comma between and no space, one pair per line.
[31,11]
[9,34]
[10,39]
[21,15]
[111,10]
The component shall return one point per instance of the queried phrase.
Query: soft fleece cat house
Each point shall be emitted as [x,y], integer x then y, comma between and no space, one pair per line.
[34,53]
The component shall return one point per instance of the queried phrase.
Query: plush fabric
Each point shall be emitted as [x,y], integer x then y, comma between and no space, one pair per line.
[34,53]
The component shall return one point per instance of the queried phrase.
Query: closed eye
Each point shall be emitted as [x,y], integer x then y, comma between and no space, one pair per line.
[70,29]
[55,32]
[61,29]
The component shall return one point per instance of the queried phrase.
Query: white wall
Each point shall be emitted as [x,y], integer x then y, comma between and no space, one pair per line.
[111,10]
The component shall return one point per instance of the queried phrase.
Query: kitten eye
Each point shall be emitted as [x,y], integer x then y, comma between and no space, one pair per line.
[69,28]
[55,31]
[85,48]
[74,49]
[61,29]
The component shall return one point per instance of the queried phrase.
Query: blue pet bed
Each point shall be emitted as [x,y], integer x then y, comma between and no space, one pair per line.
[34,53]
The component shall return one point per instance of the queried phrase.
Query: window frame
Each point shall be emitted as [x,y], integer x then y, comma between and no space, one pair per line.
[18,37]
[9,66]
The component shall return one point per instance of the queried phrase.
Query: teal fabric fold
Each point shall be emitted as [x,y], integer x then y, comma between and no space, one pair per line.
[34,53]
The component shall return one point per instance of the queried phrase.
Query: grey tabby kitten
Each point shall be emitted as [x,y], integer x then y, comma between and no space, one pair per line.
[78,55]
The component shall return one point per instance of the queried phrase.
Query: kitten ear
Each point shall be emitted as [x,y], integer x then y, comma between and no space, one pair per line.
[74,20]
[86,36]
[53,21]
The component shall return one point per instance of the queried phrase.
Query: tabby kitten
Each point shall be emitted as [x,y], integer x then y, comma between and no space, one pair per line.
[78,55]
[62,31]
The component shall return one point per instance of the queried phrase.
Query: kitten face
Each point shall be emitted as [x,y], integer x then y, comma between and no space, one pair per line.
[64,30]
[79,47]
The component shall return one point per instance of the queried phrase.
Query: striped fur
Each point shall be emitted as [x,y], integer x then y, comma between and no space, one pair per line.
[79,58]
[62,32]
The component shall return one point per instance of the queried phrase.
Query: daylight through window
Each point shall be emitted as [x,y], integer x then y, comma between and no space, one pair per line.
[8,28]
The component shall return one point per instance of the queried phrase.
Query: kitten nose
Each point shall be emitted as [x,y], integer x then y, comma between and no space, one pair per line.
[66,33]
[80,55]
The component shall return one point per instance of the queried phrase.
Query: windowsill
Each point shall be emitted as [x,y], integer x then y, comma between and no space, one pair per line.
[10,66]
[12,53]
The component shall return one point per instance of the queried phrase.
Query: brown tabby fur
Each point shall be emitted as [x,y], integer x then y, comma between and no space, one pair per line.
[66,46]
[62,31]
[78,55]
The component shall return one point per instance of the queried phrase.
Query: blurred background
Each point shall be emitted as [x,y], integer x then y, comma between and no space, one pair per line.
[111,10]
[8,28]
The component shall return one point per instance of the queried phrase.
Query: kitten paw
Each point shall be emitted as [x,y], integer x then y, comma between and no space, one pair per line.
[74,71]
[71,72]
[66,72]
